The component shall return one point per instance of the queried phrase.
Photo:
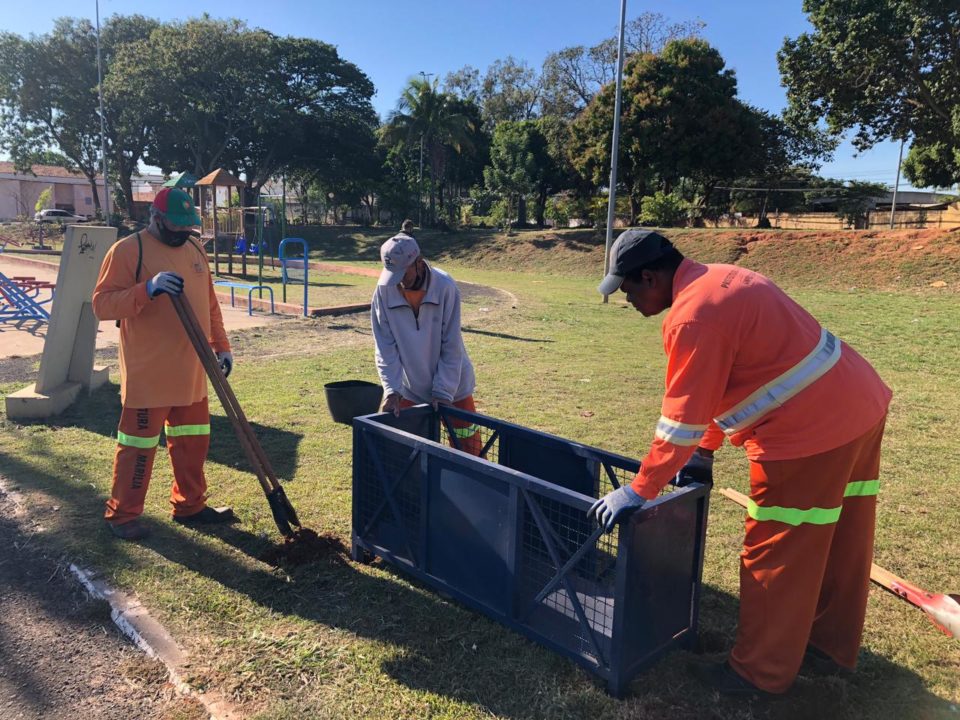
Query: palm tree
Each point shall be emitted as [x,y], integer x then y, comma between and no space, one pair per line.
[424,116]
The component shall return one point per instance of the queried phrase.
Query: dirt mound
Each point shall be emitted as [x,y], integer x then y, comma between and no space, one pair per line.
[304,547]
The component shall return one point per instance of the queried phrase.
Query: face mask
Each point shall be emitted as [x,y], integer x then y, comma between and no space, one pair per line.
[174,238]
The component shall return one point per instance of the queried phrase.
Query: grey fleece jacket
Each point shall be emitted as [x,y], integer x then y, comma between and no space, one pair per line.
[423,357]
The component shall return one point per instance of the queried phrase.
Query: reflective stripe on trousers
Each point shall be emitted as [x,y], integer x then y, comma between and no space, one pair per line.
[811,516]
[776,392]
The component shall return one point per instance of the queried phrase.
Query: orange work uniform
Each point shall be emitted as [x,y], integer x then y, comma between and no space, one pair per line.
[162,383]
[746,362]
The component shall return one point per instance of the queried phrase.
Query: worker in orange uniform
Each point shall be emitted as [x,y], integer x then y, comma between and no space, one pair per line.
[420,355]
[746,362]
[162,383]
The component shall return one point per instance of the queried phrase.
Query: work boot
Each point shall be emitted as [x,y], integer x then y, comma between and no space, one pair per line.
[820,663]
[725,680]
[207,516]
[130,530]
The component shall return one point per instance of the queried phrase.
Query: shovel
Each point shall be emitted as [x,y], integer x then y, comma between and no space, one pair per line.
[942,609]
[283,513]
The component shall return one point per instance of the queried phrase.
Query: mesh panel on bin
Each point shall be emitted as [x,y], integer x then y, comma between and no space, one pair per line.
[394,458]
[592,579]
[480,437]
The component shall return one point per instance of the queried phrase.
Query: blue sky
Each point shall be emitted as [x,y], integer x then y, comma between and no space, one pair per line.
[393,40]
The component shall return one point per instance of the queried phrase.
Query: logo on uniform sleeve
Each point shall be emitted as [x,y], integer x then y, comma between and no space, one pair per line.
[198,267]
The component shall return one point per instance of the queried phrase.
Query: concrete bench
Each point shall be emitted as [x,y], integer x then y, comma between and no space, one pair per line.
[233,285]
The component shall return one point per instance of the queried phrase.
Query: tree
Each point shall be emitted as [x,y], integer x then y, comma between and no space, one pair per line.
[427,118]
[680,120]
[510,92]
[463,83]
[573,75]
[886,68]
[247,100]
[48,98]
[43,201]
[520,165]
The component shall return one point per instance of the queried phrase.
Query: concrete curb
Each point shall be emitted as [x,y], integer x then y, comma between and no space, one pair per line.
[135,622]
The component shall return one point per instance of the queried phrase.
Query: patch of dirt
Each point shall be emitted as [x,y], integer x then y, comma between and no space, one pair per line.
[305,547]
[61,657]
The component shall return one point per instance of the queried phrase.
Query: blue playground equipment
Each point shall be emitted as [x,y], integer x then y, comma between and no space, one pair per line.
[249,288]
[294,268]
[20,299]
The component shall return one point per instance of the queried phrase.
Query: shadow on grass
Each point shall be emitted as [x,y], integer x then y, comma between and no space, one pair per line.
[437,646]
[100,413]
[504,336]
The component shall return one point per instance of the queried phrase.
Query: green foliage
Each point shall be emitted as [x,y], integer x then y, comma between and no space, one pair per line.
[856,200]
[681,121]
[662,209]
[886,68]
[521,165]
[43,201]
[432,125]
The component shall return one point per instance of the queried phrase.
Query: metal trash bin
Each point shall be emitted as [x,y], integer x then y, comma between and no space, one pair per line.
[507,535]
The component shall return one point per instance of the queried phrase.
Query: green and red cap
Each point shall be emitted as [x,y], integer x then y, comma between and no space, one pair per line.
[176,206]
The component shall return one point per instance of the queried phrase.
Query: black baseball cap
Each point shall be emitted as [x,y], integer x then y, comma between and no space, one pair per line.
[633,249]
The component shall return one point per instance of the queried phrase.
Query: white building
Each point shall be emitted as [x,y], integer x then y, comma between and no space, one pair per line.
[19,192]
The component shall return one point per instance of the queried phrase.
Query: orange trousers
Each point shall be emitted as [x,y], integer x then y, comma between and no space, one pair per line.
[187,431]
[468,434]
[804,579]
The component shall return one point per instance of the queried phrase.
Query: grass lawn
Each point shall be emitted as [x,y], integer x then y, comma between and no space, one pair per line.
[324,288]
[346,640]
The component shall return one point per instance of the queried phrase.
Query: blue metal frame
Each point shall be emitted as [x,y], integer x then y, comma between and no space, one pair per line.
[520,548]
[18,304]
[283,268]
[249,288]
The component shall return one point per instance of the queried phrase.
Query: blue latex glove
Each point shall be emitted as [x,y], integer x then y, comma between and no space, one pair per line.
[614,504]
[165,282]
[225,360]
[699,468]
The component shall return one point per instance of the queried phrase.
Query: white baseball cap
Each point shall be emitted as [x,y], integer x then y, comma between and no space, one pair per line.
[398,254]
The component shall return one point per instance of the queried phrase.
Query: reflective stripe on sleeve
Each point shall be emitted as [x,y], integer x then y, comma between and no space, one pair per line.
[136,441]
[775,393]
[679,433]
[182,430]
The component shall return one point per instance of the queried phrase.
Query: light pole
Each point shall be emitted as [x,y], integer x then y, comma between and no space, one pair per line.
[615,147]
[893,205]
[425,76]
[103,125]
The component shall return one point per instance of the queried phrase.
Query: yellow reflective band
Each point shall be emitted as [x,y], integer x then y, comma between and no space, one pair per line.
[137,442]
[793,516]
[776,392]
[467,431]
[181,430]
[862,488]
[679,433]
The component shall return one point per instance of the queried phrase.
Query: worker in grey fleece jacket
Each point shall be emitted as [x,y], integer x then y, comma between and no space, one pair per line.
[420,355]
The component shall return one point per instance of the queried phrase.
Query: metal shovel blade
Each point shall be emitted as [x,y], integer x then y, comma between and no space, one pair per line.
[283,512]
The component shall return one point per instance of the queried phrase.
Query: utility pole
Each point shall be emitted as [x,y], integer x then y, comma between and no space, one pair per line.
[425,76]
[615,148]
[896,186]
[103,126]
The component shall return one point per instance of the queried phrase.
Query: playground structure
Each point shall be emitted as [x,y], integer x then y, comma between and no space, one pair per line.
[295,269]
[21,299]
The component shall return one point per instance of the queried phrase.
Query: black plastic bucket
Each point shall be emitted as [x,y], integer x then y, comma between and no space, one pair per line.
[348,398]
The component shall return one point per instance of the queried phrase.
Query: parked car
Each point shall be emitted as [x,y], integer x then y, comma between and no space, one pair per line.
[58,216]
